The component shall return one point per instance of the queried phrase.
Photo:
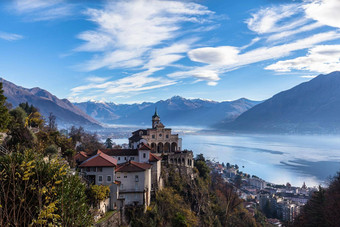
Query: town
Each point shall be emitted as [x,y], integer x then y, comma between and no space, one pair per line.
[280,203]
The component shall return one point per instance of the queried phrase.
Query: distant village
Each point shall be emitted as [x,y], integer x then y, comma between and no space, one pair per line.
[280,203]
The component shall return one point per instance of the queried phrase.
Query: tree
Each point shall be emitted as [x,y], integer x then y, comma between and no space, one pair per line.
[35,120]
[4,114]
[108,143]
[37,192]
[51,150]
[97,193]
[52,124]
[28,108]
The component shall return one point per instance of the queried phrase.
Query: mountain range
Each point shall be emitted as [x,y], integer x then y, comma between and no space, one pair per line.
[174,111]
[66,113]
[310,107]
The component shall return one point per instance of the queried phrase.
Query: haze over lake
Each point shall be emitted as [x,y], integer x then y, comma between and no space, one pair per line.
[275,158]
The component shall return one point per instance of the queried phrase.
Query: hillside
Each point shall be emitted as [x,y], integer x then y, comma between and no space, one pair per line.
[310,107]
[173,111]
[67,114]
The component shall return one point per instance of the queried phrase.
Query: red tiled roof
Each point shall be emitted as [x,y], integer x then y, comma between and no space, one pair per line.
[100,160]
[120,152]
[154,158]
[132,166]
[81,153]
[144,147]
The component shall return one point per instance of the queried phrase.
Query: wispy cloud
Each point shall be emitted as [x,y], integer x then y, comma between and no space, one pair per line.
[10,36]
[279,28]
[42,10]
[139,35]
[127,31]
[321,59]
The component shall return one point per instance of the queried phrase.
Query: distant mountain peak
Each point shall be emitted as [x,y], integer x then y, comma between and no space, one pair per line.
[310,107]
[64,110]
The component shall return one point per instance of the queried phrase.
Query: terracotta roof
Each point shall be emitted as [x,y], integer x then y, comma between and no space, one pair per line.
[154,158]
[132,166]
[81,153]
[100,160]
[120,152]
[136,135]
[144,147]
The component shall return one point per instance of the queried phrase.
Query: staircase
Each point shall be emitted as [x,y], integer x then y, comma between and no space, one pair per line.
[3,150]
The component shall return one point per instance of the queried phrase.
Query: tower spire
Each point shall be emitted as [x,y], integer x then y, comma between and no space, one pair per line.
[156,114]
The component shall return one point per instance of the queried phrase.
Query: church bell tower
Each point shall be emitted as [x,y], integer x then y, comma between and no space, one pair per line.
[155,119]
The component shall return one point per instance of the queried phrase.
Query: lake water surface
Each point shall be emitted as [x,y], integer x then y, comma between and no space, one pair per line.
[275,158]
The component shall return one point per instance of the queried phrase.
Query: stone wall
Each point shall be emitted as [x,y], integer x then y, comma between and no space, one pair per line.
[113,221]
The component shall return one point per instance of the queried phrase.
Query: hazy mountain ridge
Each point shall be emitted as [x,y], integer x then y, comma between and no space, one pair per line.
[310,107]
[67,114]
[173,111]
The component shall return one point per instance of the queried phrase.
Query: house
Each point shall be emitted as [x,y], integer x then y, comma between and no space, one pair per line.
[80,157]
[135,183]
[99,169]
[141,155]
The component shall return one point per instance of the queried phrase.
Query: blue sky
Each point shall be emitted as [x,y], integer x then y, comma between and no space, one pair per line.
[147,50]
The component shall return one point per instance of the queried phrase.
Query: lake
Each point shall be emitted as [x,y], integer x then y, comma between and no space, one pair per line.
[275,158]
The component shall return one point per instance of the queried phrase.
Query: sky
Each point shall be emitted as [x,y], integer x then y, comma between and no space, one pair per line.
[148,50]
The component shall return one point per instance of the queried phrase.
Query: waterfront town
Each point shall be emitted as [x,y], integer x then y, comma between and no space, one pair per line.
[280,203]
[134,174]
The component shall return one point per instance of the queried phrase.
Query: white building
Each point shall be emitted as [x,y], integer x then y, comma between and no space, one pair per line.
[99,169]
[135,183]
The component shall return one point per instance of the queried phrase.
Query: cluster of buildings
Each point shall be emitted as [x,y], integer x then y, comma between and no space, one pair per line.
[278,202]
[134,174]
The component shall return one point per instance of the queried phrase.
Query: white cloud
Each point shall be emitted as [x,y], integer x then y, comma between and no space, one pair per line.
[32,5]
[228,57]
[324,11]
[270,19]
[97,79]
[285,34]
[321,59]
[10,36]
[308,76]
[138,82]
[128,31]
[139,35]
[215,55]
[42,10]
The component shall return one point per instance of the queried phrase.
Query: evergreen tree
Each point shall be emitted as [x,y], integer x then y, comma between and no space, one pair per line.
[108,143]
[4,114]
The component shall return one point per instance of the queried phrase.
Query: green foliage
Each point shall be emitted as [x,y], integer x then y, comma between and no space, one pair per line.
[322,209]
[108,143]
[202,168]
[28,108]
[34,191]
[4,115]
[97,193]
[18,116]
[51,150]
[35,120]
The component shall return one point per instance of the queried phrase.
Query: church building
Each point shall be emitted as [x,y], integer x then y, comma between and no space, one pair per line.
[159,138]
